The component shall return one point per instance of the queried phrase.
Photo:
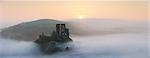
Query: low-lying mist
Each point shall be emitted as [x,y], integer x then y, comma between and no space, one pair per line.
[10,47]
[108,40]
[106,26]
[129,45]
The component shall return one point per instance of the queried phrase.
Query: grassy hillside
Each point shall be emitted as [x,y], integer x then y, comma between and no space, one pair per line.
[30,30]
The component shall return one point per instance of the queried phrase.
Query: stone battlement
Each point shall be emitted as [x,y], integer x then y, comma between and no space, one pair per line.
[61,34]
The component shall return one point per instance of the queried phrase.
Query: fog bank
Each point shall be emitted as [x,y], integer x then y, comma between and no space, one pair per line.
[110,39]
[125,45]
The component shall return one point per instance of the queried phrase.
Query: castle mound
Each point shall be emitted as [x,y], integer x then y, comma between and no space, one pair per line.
[57,41]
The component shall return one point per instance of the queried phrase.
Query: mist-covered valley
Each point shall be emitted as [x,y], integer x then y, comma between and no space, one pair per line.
[94,39]
[128,45]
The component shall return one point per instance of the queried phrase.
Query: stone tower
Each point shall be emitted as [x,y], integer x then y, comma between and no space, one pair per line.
[62,30]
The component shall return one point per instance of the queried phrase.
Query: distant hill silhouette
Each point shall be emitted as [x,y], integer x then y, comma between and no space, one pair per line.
[30,30]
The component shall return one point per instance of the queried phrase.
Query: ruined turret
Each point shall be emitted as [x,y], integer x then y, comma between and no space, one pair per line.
[62,31]
[59,37]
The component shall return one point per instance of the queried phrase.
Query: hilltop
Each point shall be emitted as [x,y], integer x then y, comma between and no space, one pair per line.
[30,30]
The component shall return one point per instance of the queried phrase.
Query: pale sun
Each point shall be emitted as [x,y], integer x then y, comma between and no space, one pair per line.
[81,17]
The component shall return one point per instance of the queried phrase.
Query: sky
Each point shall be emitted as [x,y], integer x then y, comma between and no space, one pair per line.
[17,11]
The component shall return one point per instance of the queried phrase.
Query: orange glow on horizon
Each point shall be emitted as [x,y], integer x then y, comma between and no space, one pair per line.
[29,10]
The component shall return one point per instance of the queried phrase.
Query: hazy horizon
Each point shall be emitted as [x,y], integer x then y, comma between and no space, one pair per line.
[14,12]
[8,24]
[105,29]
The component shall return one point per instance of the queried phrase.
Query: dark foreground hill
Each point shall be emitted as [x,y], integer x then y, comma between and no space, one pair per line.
[30,30]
